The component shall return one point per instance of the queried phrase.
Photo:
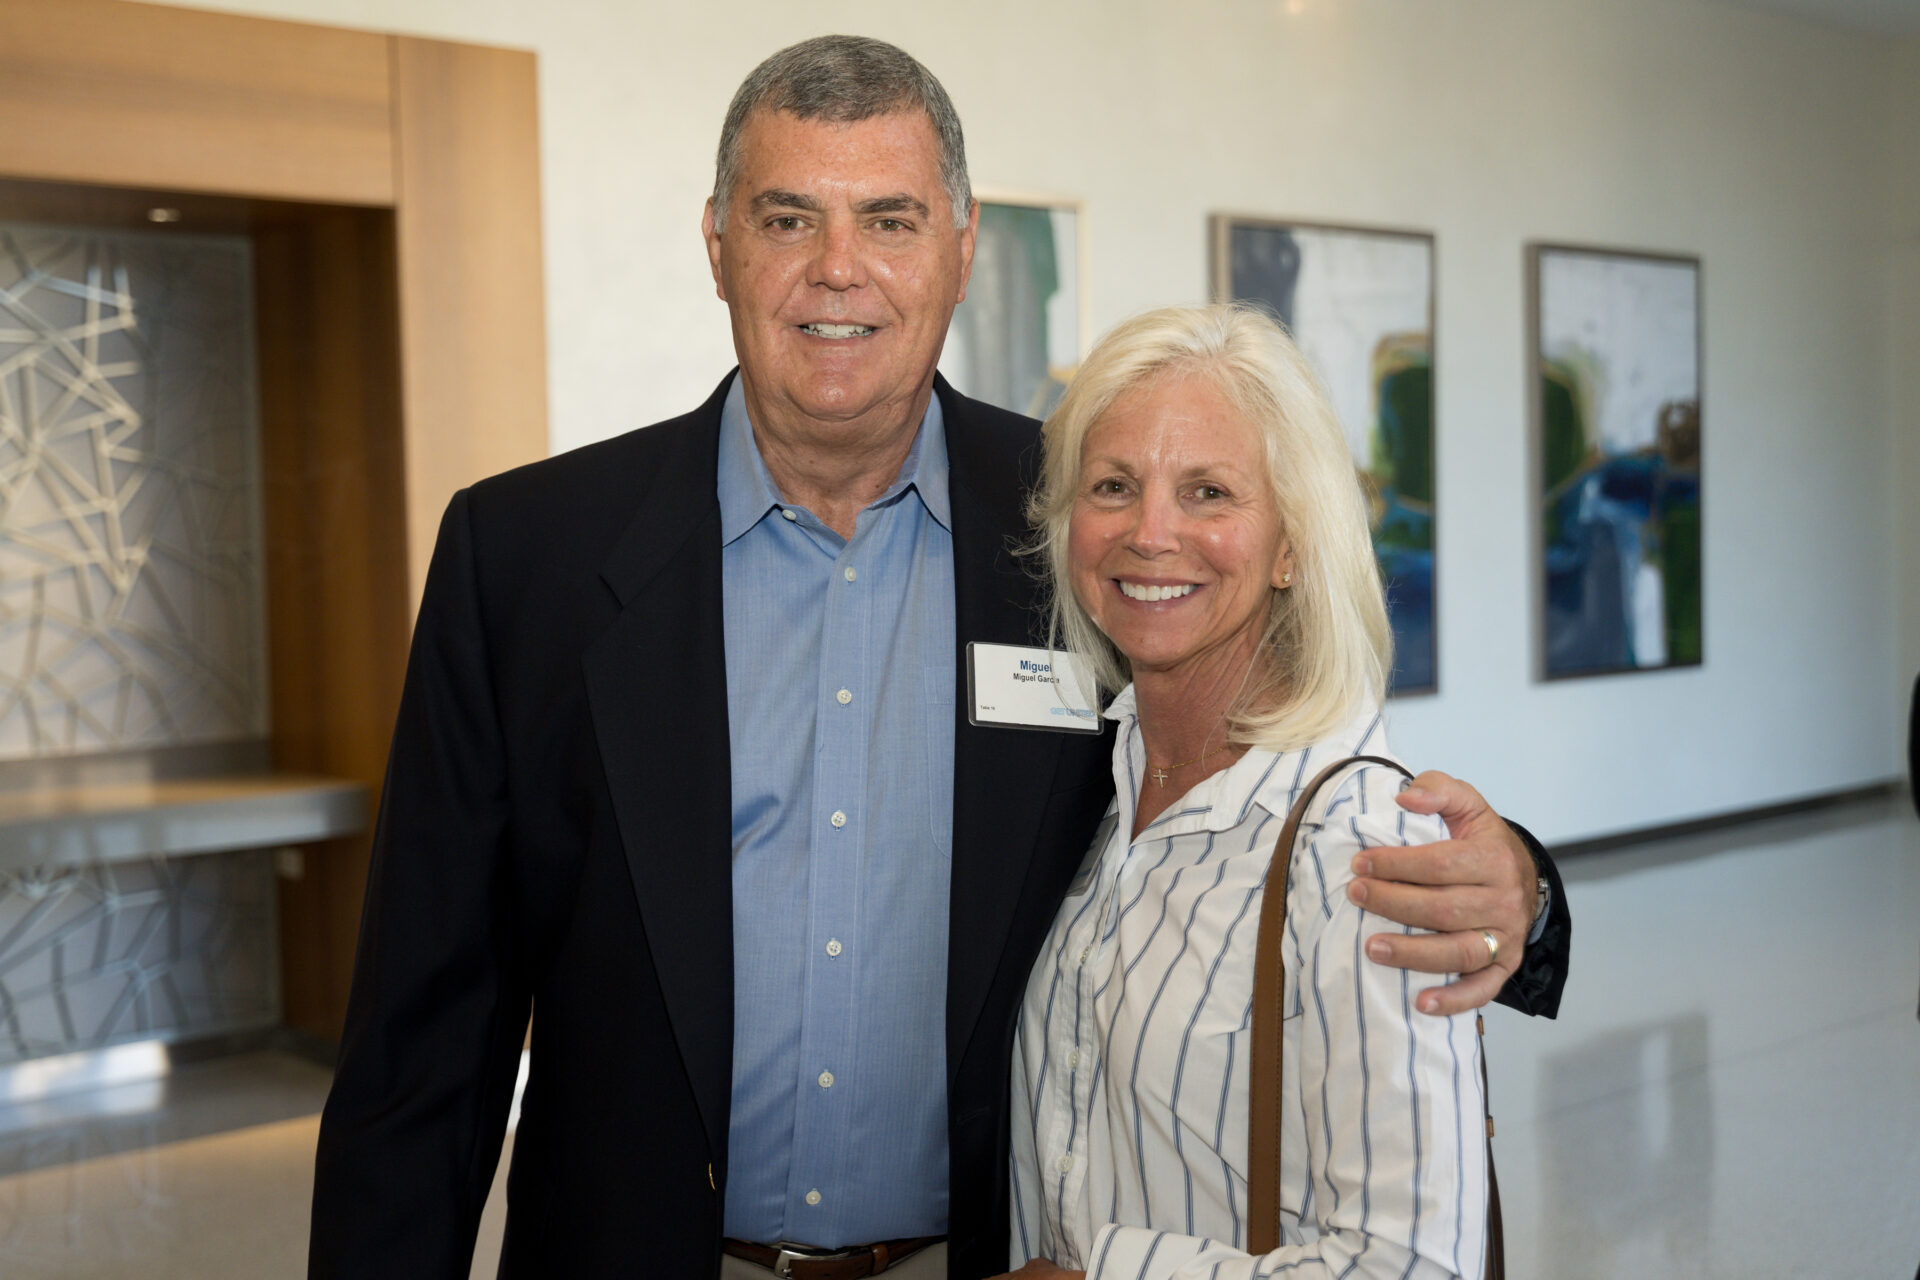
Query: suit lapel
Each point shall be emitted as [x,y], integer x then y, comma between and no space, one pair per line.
[656,682]
[1001,776]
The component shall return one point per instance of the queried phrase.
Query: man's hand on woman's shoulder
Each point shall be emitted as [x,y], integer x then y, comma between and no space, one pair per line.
[1476,890]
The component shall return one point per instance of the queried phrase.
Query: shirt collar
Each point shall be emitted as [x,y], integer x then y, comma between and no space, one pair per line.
[1268,779]
[747,492]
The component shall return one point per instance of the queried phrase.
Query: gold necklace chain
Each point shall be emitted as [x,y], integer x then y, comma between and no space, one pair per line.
[1160,773]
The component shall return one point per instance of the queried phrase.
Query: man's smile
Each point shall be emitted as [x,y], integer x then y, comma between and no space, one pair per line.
[838,330]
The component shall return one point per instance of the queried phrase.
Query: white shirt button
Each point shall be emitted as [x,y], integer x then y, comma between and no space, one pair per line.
[849,573]
[1085,952]
[844,697]
[826,1079]
[1066,1163]
[839,818]
[833,946]
[1073,1059]
[788,513]
[813,1197]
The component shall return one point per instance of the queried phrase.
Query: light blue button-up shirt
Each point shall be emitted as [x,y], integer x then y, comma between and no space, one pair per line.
[840,680]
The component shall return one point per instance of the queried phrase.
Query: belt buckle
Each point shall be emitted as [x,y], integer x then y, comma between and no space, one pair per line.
[790,1252]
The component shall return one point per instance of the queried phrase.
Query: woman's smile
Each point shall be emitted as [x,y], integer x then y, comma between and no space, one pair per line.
[1152,594]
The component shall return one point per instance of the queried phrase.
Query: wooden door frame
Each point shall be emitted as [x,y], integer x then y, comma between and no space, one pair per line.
[392,185]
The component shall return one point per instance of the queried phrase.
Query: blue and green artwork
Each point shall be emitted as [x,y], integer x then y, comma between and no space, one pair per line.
[1015,339]
[1360,305]
[1619,433]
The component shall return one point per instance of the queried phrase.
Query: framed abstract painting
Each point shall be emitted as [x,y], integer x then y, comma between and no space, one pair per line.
[1615,391]
[1359,302]
[1015,340]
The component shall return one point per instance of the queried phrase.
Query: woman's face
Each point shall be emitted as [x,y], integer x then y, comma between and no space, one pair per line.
[1174,545]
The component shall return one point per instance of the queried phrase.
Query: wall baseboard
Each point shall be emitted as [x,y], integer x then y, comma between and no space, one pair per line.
[1720,822]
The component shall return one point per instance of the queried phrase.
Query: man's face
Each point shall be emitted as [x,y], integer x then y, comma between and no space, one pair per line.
[841,266]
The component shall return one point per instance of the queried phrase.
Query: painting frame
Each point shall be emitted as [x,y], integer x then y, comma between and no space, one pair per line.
[1670,468]
[1400,469]
[969,328]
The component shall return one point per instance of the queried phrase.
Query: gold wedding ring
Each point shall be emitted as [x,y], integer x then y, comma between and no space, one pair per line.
[1493,945]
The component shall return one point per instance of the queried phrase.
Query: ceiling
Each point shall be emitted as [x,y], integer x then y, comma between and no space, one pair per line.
[1883,17]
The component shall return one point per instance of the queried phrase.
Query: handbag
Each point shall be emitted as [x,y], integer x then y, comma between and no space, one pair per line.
[1265,1085]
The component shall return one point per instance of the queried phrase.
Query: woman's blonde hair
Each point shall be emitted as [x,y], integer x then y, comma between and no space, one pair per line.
[1327,647]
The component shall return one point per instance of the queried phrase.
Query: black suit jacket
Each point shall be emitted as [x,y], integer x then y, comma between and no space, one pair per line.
[1913,748]
[555,835]
[554,838]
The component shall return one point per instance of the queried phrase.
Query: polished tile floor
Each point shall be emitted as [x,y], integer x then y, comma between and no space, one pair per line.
[207,1175]
[1732,1090]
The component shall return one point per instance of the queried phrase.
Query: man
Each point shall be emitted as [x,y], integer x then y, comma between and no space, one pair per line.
[688,766]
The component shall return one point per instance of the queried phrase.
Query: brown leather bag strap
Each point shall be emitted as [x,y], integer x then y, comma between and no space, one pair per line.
[1265,1086]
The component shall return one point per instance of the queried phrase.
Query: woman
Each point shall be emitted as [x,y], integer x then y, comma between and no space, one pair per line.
[1208,544]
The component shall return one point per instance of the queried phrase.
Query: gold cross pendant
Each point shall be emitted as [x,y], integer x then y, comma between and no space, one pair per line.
[1160,776]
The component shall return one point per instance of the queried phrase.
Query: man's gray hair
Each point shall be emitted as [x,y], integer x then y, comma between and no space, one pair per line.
[843,79]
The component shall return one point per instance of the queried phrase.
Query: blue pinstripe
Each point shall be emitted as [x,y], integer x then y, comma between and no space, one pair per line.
[1146,1025]
[1459,1148]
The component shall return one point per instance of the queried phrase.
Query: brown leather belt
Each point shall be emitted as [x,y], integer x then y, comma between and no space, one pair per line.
[802,1262]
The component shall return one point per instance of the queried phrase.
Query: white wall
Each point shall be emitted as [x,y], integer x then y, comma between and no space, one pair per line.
[1903,344]
[1754,141]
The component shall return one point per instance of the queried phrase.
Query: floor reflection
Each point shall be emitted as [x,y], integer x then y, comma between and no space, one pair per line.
[1733,1086]
[192,1101]
[1732,1090]
[1606,1201]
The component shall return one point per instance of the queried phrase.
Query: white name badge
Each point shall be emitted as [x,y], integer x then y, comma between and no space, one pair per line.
[1017,687]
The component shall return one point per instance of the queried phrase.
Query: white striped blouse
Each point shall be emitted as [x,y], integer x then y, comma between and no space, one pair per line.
[1130,1066]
